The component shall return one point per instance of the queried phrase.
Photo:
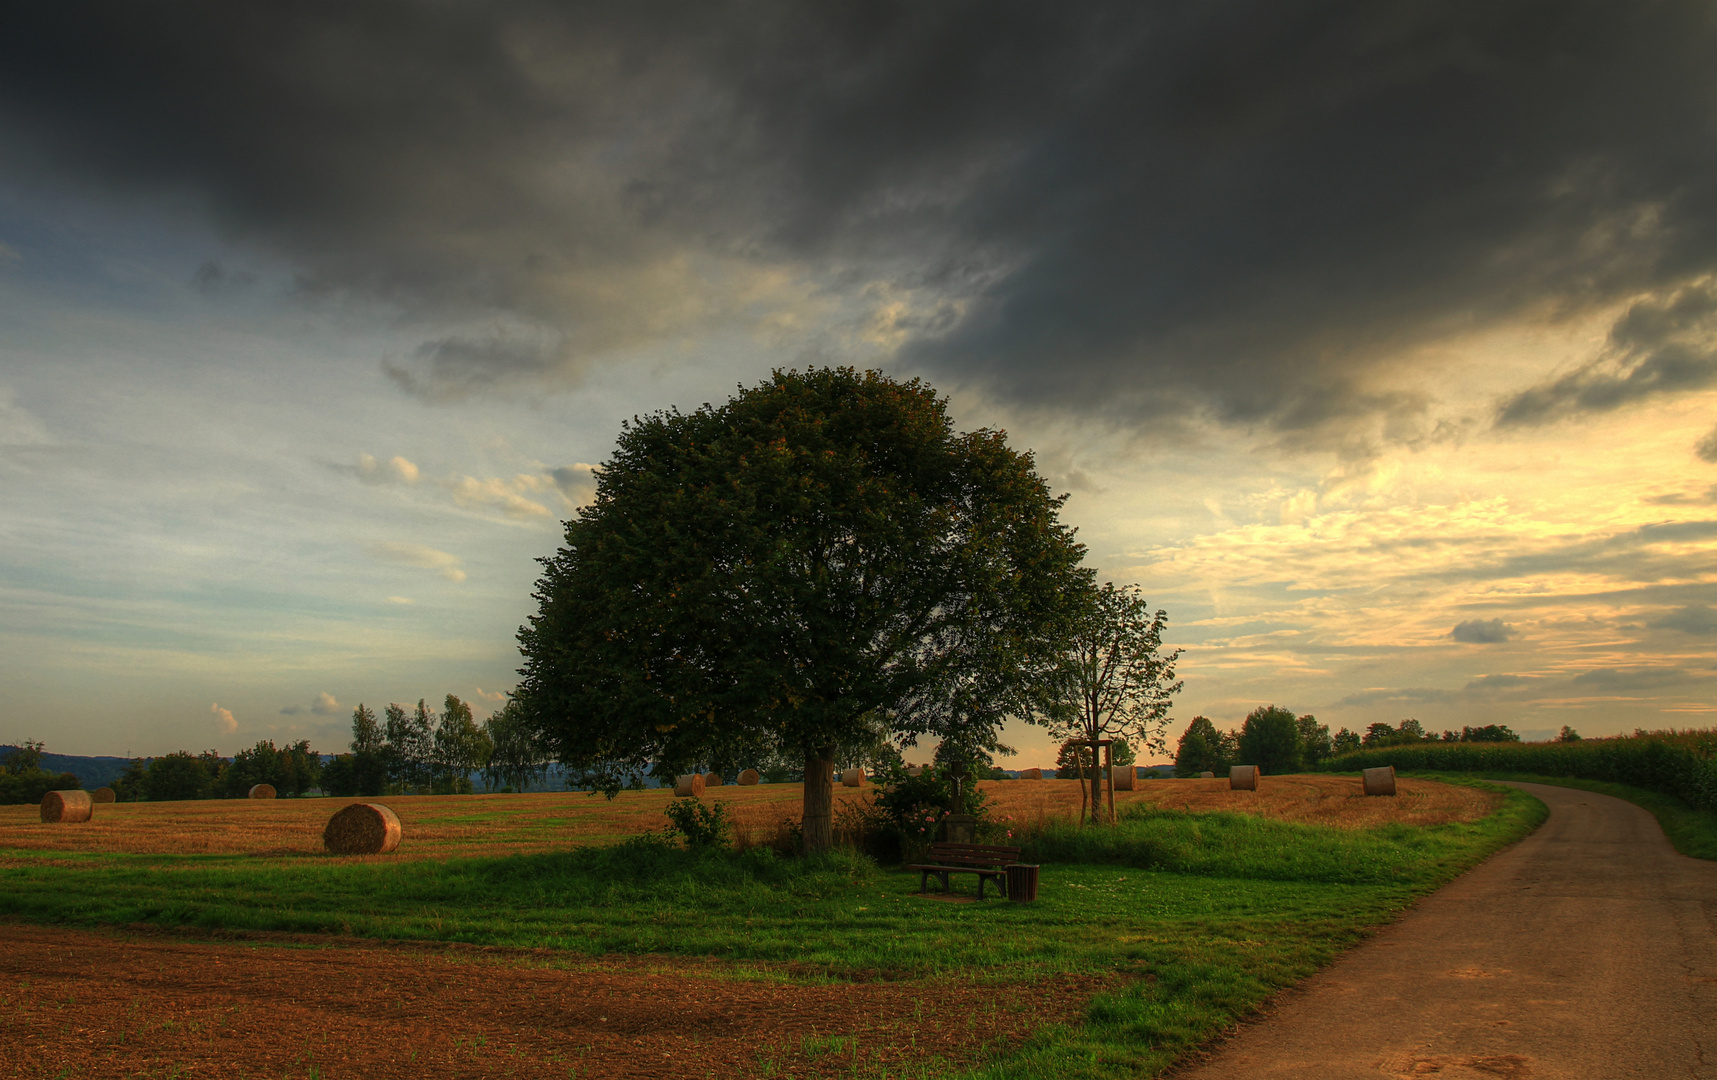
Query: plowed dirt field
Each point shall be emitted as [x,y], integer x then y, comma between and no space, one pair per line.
[131,1004]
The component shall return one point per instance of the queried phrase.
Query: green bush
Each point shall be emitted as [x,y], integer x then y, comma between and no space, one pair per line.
[1678,763]
[901,819]
[700,824]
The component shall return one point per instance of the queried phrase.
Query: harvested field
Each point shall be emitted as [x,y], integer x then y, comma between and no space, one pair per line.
[437,826]
[83,1004]
[1337,801]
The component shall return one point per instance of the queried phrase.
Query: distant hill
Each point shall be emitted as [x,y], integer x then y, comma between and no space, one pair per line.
[92,772]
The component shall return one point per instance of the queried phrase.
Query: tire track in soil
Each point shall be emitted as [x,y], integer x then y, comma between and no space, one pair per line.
[84,1003]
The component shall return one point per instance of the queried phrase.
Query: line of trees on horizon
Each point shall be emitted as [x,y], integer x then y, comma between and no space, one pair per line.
[1277,741]
[407,751]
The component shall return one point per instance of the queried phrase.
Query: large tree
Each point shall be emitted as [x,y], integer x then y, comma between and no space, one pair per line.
[1112,679]
[771,575]
[459,747]
[1270,739]
[1204,749]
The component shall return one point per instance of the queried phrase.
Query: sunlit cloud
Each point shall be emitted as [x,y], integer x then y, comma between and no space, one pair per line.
[396,470]
[418,555]
[224,721]
[503,494]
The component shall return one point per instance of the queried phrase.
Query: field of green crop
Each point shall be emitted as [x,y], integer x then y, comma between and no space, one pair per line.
[1184,922]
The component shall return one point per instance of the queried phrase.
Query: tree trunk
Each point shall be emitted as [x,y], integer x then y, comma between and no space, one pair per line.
[1096,781]
[819,809]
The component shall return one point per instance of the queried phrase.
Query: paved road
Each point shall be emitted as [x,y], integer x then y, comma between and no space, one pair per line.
[1587,950]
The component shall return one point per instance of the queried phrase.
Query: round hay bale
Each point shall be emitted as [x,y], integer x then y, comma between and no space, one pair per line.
[1244,778]
[104,794]
[1124,776]
[691,784]
[262,791]
[1207,776]
[914,770]
[749,778]
[1031,774]
[67,807]
[852,778]
[1379,781]
[362,829]
[713,779]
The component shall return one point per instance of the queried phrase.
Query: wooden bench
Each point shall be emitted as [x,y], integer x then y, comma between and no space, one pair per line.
[985,860]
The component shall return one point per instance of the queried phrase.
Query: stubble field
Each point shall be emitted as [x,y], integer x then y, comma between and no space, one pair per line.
[540,935]
[440,826]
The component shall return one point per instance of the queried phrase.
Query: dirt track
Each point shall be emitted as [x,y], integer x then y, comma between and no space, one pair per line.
[1588,950]
[82,1004]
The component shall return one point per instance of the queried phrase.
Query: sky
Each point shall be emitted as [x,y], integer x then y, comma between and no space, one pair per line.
[1377,341]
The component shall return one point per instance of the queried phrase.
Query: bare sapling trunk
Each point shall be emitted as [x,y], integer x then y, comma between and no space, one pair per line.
[819,807]
[1096,781]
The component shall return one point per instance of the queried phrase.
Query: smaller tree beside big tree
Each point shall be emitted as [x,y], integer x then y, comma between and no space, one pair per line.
[1112,679]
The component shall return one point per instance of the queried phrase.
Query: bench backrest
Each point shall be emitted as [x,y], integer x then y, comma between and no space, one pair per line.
[978,854]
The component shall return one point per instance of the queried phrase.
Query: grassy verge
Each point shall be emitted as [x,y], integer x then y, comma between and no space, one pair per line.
[1195,918]
[1693,832]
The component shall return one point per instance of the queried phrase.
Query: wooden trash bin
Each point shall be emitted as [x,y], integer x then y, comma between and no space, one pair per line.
[1022,882]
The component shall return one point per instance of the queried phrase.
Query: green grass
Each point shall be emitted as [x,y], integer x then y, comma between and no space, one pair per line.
[1192,919]
[1692,832]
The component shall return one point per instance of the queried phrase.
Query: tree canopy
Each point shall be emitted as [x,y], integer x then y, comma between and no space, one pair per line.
[771,575]
[1270,739]
[1204,749]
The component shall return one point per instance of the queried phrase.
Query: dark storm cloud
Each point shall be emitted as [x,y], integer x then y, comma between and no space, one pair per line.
[1235,208]
[1698,620]
[1492,689]
[1482,632]
[1660,346]
[1655,553]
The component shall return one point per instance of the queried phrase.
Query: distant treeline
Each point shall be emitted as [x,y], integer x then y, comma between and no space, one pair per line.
[22,778]
[291,770]
[1277,741]
[1679,763]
